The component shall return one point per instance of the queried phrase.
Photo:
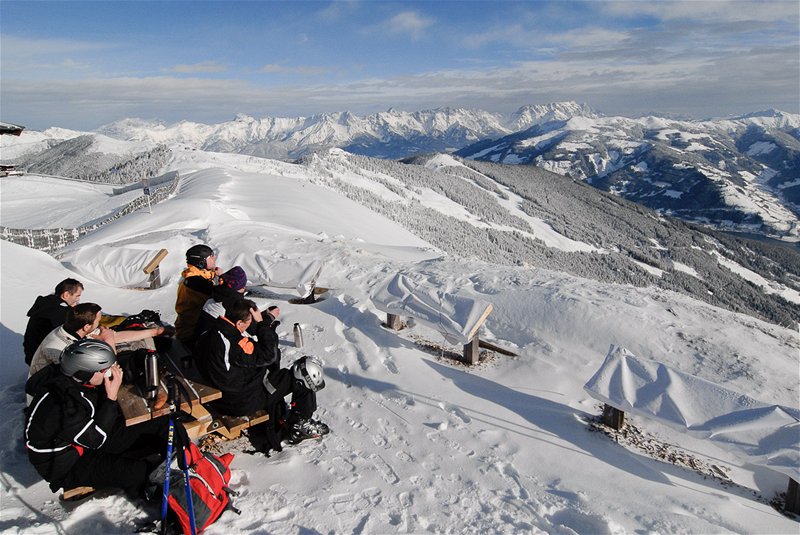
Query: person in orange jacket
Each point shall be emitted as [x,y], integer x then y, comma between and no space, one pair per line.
[197,281]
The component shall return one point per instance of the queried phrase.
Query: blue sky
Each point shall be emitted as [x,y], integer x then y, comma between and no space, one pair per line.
[84,64]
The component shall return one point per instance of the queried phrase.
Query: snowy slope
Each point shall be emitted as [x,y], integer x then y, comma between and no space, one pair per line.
[420,444]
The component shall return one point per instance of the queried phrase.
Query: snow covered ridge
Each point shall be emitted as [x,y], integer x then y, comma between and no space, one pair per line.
[509,215]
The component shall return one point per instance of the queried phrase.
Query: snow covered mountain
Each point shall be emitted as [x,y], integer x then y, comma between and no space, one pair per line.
[741,173]
[389,134]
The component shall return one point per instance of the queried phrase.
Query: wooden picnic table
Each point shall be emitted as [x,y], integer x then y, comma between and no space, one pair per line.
[136,409]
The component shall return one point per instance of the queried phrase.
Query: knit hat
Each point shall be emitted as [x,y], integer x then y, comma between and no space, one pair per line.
[235,278]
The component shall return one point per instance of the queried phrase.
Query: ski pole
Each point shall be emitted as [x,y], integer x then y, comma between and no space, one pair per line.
[165,497]
[183,445]
[189,504]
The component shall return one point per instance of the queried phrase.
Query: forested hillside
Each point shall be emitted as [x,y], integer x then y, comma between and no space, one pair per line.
[635,245]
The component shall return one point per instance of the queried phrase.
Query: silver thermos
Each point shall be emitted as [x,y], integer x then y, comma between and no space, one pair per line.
[151,375]
[298,336]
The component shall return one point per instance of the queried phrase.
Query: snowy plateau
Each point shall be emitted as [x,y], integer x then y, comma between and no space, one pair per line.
[421,443]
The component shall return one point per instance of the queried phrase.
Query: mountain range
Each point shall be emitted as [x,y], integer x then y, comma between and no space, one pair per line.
[741,174]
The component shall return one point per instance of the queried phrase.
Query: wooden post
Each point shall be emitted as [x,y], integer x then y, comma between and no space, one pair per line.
[152,269]
[613,418]
[792,498]
[155,279]
[471,351]
[394,322]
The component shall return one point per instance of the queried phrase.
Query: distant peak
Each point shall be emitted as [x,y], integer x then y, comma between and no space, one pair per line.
[533,114]
[771,112]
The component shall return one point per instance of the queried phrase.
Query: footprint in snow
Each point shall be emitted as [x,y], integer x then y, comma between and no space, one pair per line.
[386,471]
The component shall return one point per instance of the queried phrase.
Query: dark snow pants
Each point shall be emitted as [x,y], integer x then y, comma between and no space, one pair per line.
[125,460]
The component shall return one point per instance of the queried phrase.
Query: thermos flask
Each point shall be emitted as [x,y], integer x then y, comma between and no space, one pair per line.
[298,336]
[151,374]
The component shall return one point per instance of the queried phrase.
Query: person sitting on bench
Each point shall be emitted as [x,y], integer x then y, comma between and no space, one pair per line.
[75,433]
[83,321]
[48,312]
[232,288]
[303,379]
[234,361]
[197,282]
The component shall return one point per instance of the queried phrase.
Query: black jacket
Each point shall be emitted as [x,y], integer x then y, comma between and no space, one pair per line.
[221,296]
[47,313]
[236,364]
[65,418]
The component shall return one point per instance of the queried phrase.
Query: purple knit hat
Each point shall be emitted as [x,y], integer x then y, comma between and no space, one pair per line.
[234,278]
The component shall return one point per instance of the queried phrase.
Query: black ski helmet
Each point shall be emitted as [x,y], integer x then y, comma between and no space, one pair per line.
[197,254]
[83,358]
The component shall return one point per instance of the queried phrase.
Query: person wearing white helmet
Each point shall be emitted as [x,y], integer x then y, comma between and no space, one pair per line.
[75,434]
[303,379]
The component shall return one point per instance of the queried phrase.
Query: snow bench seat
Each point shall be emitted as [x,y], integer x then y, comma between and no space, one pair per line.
[458,318]
[758,433]
[120,267]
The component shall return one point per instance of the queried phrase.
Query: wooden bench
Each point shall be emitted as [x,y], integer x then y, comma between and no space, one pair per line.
[231,427]
[471,352]
[703,409]
[77,493]
[457,317]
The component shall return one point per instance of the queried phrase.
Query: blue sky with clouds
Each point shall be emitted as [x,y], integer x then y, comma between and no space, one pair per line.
[83,64]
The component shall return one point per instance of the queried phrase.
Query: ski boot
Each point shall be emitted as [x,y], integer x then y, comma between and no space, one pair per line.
[305,429]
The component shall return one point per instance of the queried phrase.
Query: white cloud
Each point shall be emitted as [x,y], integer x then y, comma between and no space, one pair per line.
[24,47]
[202,67]
[299,69]
[409,22]
[588,37]
[710,10]
[528,38]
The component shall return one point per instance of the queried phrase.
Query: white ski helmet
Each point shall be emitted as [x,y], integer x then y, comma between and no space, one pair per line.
[308,371]
[83,358]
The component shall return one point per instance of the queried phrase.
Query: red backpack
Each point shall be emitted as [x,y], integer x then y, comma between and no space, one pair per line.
[209,476]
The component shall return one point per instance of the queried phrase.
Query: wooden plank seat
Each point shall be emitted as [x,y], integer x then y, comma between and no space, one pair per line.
[77,493]
[231,427]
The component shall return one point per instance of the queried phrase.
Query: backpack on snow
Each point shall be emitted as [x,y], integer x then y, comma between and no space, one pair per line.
[209,476]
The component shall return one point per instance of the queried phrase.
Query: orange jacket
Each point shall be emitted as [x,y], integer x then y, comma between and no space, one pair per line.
[194,290]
